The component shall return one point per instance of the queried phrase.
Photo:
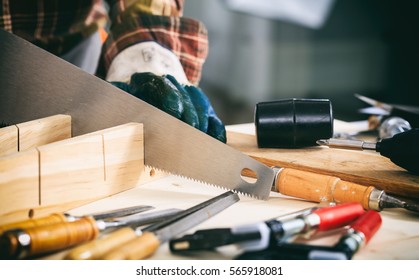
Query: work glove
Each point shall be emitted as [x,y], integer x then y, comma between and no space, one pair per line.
[187,103]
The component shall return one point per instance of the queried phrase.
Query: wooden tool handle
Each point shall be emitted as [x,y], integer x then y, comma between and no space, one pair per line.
[94,250]
[321,188]
[48,220]
[50,238]
[136,249]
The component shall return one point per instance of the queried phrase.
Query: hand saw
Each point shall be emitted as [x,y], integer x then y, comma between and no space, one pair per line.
[36,84]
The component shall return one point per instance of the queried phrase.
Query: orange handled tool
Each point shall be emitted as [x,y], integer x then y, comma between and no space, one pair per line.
[17,244]
[64,217]
[324,188]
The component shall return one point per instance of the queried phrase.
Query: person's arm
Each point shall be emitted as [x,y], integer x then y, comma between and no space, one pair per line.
[157,55]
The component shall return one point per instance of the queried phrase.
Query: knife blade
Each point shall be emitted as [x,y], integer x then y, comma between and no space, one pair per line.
[36,84]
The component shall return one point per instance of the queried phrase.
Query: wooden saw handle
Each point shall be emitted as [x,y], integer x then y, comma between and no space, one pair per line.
[37,222]
[96,249]
[46,239]
[321,188]
[137,249]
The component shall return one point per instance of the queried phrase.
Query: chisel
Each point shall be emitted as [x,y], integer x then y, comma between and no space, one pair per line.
[20,244]
[95,249]
[65,217]
[261,235]
[153,236]
[355,237]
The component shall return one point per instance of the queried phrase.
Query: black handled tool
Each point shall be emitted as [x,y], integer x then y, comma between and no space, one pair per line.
[402,149]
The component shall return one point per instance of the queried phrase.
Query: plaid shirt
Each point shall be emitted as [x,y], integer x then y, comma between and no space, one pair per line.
[59,25]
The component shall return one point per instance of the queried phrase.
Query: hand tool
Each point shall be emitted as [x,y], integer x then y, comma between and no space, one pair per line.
[35,84]
[323,188]
[153,236]
[292,123]
[94,249]
[19,244]
[402,149]
[259,236]
[409,113]
[65,217]
[356,236]
[170,145]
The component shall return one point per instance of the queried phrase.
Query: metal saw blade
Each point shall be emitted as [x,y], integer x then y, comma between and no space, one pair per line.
[36,84]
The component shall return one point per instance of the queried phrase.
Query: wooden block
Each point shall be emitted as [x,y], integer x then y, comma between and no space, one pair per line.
[43,131]
[27,135]
[91,166]
[124,157]
[71,170]
[19,183]
[8,140]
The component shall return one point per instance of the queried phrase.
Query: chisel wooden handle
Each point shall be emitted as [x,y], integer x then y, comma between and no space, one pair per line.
[45,239]
[48,220]
[321,188]
[137,249]
[96,249]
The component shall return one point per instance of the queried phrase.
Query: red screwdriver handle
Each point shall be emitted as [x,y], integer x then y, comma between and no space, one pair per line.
[337,216]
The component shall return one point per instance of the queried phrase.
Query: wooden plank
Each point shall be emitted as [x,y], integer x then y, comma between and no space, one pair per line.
[8,140]
[362,167]
[91,166]
[70,170]
[19,193]
[43,131]
[27,135]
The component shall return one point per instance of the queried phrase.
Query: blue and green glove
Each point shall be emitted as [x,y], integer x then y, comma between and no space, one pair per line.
[187,103]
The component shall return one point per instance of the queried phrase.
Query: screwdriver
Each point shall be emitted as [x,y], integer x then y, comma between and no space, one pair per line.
[261,235]
[402,149]
[357,235]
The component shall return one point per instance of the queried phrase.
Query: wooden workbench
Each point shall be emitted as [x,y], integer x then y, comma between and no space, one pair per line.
[398,237]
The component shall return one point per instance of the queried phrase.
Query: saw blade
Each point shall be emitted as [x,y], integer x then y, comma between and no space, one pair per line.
[36,84]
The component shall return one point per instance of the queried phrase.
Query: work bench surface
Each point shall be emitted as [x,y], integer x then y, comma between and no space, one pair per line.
[397,238]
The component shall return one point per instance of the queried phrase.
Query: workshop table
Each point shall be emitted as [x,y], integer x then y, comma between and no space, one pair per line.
[397,239]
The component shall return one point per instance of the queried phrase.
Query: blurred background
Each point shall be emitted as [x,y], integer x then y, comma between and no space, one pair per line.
[331,49]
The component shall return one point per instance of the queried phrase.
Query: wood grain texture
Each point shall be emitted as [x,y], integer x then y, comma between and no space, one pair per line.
[19,180]
[361,167]
[72,172]
[9,140]
[43,131]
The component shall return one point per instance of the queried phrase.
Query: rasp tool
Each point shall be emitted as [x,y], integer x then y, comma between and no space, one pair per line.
[65,217]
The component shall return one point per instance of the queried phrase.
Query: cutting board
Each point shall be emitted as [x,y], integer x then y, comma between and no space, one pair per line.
[362,167]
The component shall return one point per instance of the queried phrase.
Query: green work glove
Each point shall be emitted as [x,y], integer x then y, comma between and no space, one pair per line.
[187,103]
